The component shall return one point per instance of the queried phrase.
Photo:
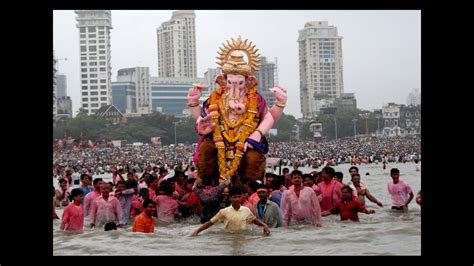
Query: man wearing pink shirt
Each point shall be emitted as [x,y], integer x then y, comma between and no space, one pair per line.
[91,196]
[105,208]
[400,191]
[330,189]
[73,215]
[166,206]
[299,203]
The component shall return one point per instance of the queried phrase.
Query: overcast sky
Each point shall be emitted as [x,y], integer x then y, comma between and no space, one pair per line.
[381,49]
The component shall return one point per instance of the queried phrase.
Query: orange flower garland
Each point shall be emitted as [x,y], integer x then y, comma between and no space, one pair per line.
[220,121]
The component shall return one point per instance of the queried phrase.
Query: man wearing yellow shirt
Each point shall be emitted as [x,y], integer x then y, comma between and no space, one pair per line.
[235,217]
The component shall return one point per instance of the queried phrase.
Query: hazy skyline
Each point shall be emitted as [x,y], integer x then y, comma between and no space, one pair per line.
[381,49]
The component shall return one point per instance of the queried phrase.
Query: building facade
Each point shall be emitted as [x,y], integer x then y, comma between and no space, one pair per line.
[61,85]
[210,76]
[169,95]
[266,80]
[96,69]
[55,103]
[124,96]
[176,43]
[410,120]
[414,97]
[64,107]
[140,77]
[391,120]
[110,113]
[320,66]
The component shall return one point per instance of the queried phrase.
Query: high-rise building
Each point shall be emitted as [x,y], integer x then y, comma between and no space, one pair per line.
[320,65]
[169,95]
[124,96]
[55,103]
[64,106]
[266,80]
[140,77]
[176,40]
[96,70]
[61,85]
[210,76]
[414,97]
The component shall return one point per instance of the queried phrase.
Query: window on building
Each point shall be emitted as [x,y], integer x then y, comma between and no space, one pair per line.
[103,87]
[84,81]
[84,93]
[93,81]
[84,87]
[94,87]
[94,99]
[103,92]
[103,81]
[102,69]
[95,105]
[93,69]
[92,35]
[101,57]
[83,64]
[103,98]
[84,76]
[82,36]
[82,29]
[85,105]
[85,100]
[83,49]
[94,93]
[92,48]
[93,75]
[83,58]
[102,63]
[101,51]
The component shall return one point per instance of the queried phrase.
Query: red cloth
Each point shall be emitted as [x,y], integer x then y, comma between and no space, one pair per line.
[348,210]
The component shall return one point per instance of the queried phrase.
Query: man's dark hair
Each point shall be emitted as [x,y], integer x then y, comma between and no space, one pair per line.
[97,180]
[147,202]
[354,167]
[394,171]
[339,175]
[330,171]
[296,172]
[235,190]
[347,187]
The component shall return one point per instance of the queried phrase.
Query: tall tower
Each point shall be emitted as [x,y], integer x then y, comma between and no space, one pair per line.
[266,80]
[176,40]
[55,103]
[320,64]
[414,97]
[96,69]
[61,85]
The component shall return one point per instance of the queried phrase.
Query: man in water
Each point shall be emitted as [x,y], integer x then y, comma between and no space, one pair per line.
[267,210]
[400,191]
[235,217]
[360,191]
[348,207]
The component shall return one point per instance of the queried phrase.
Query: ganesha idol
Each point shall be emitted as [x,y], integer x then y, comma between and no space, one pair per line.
[235,118]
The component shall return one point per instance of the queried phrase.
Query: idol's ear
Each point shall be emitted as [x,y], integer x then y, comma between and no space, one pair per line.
[252,81]
[220,80]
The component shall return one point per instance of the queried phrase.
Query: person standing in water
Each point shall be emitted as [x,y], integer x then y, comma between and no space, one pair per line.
[235,217]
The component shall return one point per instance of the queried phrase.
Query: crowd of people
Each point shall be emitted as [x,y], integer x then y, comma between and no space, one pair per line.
[105,158]
[159,197]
